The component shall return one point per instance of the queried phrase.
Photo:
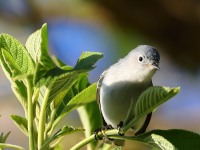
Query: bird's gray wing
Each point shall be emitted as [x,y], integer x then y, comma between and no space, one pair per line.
[147,120]
[99,83]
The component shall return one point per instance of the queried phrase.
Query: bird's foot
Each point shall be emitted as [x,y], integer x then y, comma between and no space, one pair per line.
[119,126]
[96,134]
[100,135]
[102,130]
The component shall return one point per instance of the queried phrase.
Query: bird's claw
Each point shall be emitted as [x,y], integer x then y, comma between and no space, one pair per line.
[119,126]
[96,132]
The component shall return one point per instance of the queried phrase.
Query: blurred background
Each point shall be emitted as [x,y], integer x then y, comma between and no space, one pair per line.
[113,27]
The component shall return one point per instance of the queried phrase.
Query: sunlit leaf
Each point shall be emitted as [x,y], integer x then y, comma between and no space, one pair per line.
[20,92]
[3,137]
[15,57]
[21,123]
[61,133]
[152,98]
[149,100]
[171,139]
[61,83]
[87,60]
[37,46]
[86,96]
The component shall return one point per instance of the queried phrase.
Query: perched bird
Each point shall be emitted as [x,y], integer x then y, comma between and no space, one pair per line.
[120,86]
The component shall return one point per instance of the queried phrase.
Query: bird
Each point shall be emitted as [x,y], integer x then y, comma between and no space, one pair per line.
[120,86]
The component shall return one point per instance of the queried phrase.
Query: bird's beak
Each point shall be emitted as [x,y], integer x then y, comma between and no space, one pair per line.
[155,65]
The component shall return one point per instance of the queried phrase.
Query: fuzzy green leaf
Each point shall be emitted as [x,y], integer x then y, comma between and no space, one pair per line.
[3,137]
[20,92]
[14,58]
[86,96]
[152,98]
[160,142]
[37,46]
[171,139]
[74,90]
[66,130]
[5,67]
[60,64]
[61,133]
[21,123]
[60,84]
[15,69]
[149,100]
[87,60]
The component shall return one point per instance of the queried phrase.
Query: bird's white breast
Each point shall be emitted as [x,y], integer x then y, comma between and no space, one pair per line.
[121,86]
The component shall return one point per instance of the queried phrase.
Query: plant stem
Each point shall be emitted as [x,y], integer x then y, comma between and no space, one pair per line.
[53,113]
[55,123]
[30,115]
[113,134]
[83,143]
[42,119]
[92,138]
[130,124]
[86,125]
[4,145]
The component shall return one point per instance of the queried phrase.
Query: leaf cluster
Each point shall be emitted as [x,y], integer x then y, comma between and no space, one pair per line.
[47,89]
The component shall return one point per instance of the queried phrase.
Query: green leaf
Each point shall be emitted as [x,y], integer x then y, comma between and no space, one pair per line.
[14,58]
[61,133]
[171,139]
[3,138]
[160,142]
[64,131]
[60,82]
[20,92]
[60,64]
[5,67]
[86,96]
[37,46]
[15,69]
[87,60]
[150,100]
[21,123]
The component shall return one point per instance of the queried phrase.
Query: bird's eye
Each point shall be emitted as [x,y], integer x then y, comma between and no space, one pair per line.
[140,58]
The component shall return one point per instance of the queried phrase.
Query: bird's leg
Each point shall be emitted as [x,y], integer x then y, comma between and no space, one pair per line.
[104,128]
[105,138]
[119,126]
[96,134]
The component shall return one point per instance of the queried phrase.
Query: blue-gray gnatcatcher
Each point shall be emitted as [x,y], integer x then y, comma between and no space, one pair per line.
[120,86]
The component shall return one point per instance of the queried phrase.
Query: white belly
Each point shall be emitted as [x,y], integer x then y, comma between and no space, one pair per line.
[116,100]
